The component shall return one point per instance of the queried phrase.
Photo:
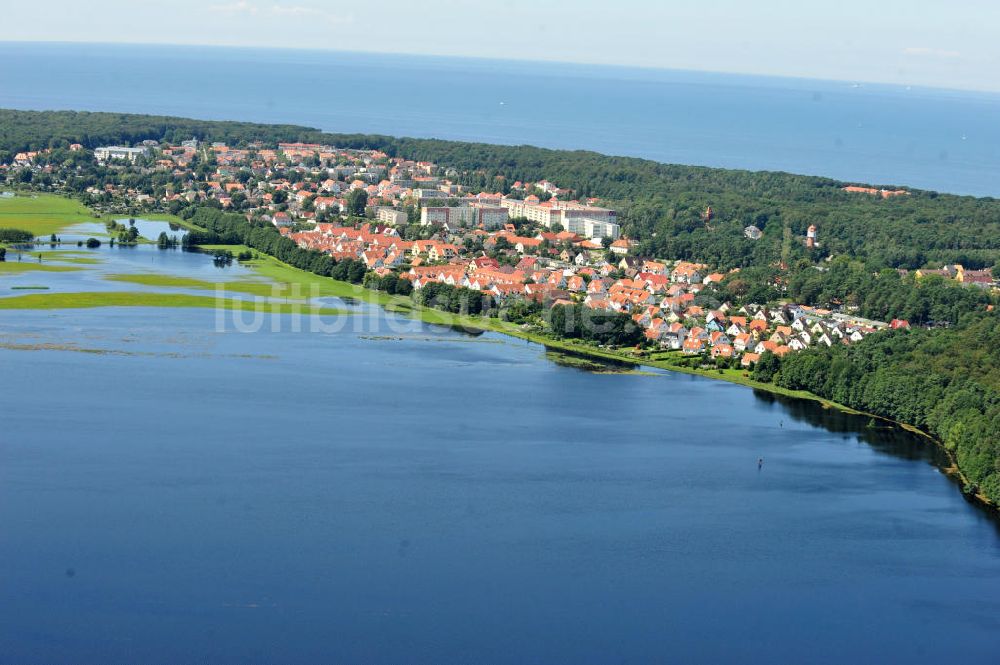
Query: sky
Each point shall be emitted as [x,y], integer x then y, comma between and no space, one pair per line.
[953,44]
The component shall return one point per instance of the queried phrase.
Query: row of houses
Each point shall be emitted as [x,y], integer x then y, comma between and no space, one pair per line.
[661,296]
[474,245]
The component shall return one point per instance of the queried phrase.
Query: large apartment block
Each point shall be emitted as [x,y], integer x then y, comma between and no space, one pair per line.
[589,221]
[390,216]
[119,152]
[490,217]
[594,229]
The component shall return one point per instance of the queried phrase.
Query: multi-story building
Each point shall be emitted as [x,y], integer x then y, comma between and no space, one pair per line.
[589,221]
[490,217]
[592,228]
[429,194]
[120,152]
[390,216]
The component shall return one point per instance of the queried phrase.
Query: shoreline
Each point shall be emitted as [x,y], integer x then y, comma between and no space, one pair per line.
[953,471]
[282,273]
[406,307]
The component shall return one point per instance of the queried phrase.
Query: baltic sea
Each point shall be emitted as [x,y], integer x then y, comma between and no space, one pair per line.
[931,139]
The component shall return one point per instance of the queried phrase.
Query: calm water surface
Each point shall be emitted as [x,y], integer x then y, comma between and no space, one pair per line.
[151,229]
[169,493]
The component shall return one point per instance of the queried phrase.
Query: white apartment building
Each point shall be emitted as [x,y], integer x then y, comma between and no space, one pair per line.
[390,216]
[490,217]
[594,229]
[589,221]
[427,194]
[119,152]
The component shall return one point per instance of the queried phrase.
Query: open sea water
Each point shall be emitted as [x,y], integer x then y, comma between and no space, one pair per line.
[942,140]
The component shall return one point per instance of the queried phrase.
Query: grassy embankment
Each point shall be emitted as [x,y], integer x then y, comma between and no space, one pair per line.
[80,257]
[293,302]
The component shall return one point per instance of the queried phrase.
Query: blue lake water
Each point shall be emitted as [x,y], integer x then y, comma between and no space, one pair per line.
[933,139]
[106,261]
[172,490]
[151,229]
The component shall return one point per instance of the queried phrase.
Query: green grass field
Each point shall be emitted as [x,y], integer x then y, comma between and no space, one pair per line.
[137,299]
[31,265]
[235,249]
[243,286]
[43,215]
[82,257]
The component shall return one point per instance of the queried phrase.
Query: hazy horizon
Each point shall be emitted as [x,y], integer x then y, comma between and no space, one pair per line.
[948,47]
[651,69]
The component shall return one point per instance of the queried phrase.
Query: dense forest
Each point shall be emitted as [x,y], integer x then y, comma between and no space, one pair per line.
[662,205]
[943,381]
[600,327]
[37,130]
[882,295]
